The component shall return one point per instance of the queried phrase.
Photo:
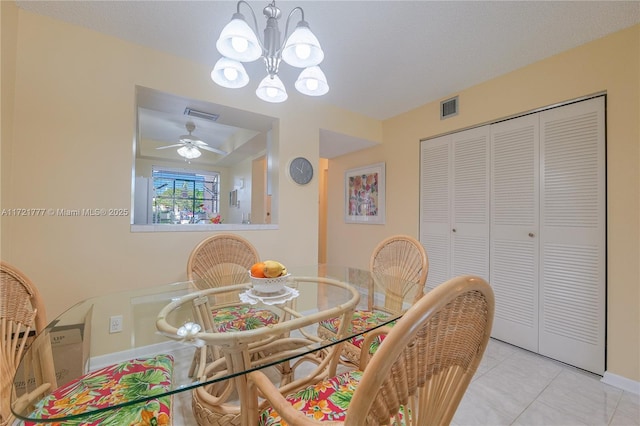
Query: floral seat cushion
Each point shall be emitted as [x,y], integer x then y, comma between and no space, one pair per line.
[362,320]
[325,401]
[141,377]
[238,318]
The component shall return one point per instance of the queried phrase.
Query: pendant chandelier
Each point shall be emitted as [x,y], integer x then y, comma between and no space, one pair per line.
[238,43]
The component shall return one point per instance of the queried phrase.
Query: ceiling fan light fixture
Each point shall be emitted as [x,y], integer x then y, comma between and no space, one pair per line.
[229,73]
[190,145]
[312,82]
[272,90]
[189,152]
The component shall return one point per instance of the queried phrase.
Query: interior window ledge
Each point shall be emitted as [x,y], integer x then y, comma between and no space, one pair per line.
[201,227]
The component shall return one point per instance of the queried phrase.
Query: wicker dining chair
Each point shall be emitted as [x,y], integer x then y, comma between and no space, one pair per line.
[22,318]
[402,263]
[417,377]
[220,260]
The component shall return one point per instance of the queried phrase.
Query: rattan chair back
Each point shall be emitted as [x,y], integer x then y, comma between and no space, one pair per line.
[428,358]
[21,312]
[221,259]
[404,258]
[419,374]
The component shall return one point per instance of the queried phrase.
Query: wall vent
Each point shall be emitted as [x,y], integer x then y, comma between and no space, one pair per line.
[448,108]
[201,114]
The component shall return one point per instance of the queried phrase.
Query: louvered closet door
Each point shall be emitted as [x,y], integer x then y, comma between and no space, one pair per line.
[454,210]
[470,203]
[435,208]
[514,230]
[572,298]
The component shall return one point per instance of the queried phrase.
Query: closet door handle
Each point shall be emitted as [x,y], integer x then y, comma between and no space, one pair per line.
[531,234]
[453,230]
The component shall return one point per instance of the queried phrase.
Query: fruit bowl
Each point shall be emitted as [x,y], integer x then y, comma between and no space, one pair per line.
[268,285]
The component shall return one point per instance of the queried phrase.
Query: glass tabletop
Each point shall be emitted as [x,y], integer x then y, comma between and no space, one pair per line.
[106,331]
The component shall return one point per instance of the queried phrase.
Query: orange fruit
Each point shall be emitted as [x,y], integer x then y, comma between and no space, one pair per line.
[257,270]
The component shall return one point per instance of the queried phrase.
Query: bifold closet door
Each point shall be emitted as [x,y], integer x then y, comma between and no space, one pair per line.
[522,203]
[435,207]
[514,230]
[573,234]
[470,203]
[454,207]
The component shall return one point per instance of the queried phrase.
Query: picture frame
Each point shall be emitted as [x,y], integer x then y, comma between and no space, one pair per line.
[233,198]
[364,191]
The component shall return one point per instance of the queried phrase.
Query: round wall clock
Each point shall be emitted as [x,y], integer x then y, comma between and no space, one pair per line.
[301,170]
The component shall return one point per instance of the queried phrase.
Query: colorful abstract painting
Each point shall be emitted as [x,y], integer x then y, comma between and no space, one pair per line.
[364,194]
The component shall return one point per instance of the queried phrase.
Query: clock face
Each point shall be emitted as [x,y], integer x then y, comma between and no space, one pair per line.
[301,170]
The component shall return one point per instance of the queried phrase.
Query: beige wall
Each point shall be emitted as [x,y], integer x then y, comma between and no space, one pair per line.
[8,40]
[73,121]
[610,64]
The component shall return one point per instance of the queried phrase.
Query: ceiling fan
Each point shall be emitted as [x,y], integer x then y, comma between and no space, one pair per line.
[190,146]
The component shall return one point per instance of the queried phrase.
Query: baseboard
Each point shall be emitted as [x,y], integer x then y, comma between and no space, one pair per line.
[621,382]
[100,361]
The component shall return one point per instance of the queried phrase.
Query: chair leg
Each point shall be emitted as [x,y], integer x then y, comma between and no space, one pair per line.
[286,373]
[194,363]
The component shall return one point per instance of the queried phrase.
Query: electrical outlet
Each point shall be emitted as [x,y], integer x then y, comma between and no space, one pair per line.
[115,324]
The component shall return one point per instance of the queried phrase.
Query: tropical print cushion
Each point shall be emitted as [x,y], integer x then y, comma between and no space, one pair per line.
[141,377]
[325,401]
[362,320]
[238,318]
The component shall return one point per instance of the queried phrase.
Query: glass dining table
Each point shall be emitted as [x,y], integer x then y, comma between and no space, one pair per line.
[169,337]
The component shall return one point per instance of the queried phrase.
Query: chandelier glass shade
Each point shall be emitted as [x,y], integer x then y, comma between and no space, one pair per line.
[189,152]
[271,89]
[238,43]
[229,73]
[302,48]
[312,82]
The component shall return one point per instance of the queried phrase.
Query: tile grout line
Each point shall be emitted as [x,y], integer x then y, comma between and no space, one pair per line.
[613,412]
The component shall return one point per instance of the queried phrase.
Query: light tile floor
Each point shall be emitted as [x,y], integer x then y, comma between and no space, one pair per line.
[516,387]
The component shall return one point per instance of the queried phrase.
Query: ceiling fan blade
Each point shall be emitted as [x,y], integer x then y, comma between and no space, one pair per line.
[170,146]
[189,139]
[216,150]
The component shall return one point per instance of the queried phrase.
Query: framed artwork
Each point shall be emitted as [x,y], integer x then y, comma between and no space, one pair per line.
[365,194]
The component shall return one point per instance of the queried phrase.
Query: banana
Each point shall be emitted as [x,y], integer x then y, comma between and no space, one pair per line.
[273,269]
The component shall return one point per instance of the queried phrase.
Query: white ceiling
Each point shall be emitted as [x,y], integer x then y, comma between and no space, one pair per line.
[162,120]
[382,58]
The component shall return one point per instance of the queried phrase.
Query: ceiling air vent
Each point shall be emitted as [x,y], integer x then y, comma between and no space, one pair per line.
[201,114]
[448,108]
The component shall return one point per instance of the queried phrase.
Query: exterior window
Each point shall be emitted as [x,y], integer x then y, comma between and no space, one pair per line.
[183,197]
